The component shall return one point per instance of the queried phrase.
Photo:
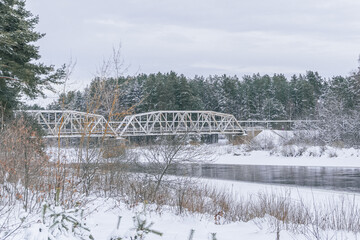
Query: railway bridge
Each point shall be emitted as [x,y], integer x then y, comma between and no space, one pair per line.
[77,124]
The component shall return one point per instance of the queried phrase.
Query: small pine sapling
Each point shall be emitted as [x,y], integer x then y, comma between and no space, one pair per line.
[140,230]
[57,222]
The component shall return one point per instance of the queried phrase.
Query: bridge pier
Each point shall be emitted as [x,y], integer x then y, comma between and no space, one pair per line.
[141,140]
[210,138]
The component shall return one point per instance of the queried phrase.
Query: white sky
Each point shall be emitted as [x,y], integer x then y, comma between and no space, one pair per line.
[201,37]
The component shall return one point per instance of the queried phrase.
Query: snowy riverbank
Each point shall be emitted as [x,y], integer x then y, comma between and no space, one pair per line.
[102,217]
[235,155]
[280,152]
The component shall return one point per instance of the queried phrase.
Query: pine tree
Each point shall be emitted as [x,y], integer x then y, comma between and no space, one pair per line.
[247,104]
[184,95]
[20,71]
[316,81]
[229,89]
[281,89]
[199,87]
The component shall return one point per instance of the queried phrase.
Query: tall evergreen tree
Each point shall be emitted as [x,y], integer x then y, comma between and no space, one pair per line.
[184,96]
[199,87]
[248,98]
[20,71]
[230,94]
[316,81]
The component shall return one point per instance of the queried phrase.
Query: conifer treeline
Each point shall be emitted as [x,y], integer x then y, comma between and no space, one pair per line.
[255,97]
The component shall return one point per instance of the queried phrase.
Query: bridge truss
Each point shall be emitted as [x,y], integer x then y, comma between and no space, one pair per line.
[71,123]
[76,124]
[178,122]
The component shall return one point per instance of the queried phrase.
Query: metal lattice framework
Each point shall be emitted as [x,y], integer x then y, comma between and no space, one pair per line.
[75,124]
[72,123]
[178,122]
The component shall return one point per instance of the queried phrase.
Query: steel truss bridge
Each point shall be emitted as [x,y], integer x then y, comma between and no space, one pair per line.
[79,124]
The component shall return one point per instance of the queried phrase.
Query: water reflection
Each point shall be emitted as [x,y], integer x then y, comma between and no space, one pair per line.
[344,179]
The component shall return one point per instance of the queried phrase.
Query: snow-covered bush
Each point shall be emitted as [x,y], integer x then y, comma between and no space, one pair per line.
[260,144]
[331,152]
[309,151]
[315,151]
[293,151]
[58,224]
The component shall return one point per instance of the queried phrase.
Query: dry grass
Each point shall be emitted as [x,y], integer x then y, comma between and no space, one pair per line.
[277,210]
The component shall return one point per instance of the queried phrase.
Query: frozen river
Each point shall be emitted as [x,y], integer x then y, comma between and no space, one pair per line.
[334,178]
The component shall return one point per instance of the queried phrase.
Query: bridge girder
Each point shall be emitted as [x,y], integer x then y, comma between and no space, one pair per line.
[74,123]
[71,123]
[178,122]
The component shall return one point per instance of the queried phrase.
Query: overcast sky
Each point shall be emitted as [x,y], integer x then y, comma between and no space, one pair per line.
[202,37]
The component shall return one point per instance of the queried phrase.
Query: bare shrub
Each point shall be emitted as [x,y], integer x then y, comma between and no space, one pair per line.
[158,157]
[23,161]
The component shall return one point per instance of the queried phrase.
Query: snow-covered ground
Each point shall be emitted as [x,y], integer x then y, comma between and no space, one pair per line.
[243,190]
[174,227]
[178,227]
[233,155]
[104,214]
[283,155]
